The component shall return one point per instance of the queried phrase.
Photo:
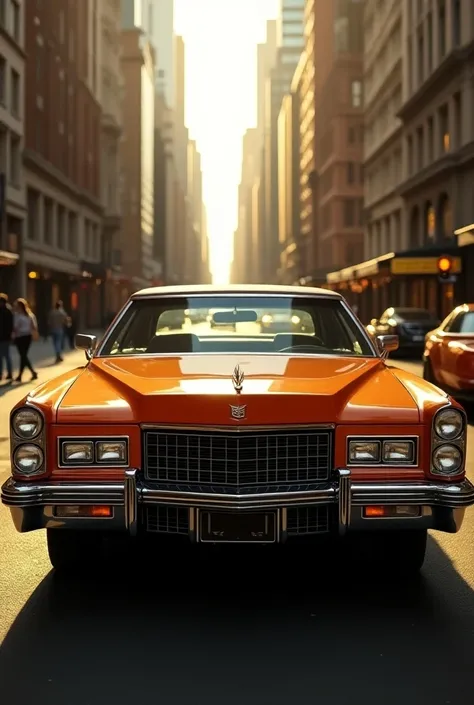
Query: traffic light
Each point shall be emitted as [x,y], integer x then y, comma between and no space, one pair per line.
[445,265]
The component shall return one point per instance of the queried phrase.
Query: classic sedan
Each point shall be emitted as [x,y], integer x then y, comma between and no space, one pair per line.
[448,358]
[245,437]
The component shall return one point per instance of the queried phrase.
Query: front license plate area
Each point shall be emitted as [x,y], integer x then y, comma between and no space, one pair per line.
[231,527]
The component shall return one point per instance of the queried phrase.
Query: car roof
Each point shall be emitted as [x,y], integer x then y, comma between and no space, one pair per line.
[216,289]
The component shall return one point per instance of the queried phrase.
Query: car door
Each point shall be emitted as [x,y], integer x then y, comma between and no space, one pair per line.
[457,350]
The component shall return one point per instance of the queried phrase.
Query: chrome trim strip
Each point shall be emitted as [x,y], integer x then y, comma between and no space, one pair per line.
[131,502]
[345,500]
[31,494]
[344,491]
[237,429]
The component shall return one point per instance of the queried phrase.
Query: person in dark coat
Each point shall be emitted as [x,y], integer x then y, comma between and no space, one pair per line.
[6,330]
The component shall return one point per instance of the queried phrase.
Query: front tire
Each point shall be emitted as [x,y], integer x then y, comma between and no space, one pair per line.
[71,551]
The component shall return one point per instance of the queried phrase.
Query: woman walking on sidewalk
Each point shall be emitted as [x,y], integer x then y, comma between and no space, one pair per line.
[25,330]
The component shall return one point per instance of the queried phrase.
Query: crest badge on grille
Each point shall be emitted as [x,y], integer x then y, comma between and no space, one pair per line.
[238,379]
[238,412]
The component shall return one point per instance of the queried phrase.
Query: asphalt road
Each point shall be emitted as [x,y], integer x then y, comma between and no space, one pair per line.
[247,630]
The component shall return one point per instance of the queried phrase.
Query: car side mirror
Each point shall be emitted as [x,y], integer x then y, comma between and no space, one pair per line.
[387,344]
[87,343]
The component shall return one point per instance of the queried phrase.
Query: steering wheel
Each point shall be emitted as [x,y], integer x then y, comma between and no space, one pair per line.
[309,348]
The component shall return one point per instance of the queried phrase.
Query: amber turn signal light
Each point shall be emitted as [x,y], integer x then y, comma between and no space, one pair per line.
[385,512]
[84,511]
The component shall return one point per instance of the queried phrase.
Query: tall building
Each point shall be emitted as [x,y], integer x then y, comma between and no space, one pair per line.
[12,183]
[278,84]
[111,89]
[62,248]
[332,191]
[289,226]
[137,153]
[162,36]
[383,50]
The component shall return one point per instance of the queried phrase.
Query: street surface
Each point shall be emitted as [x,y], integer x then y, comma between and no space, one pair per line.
[252,631]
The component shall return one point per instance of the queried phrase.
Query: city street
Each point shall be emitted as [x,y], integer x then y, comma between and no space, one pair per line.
[253,630]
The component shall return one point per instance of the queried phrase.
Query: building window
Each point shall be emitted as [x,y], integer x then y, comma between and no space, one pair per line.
[444,129]
[421,58]
[15,93]
[350,172]
[16,21]
[3,13]
[48,221]
[72,233]
[356,93]
[3,80]
[32,200]
[430,140]
[349,212]
[442,30]
[421,146]
[458,120]
[15,159]
[351,135]
[429,30]
[410,155]
[3,150]
[456,23]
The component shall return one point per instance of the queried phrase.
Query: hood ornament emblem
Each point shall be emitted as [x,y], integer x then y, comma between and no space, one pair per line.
[238,412]
[238,379]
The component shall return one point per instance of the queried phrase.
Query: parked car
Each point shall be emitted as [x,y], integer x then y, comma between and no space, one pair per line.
[248,437]
[410,324]
[448,358]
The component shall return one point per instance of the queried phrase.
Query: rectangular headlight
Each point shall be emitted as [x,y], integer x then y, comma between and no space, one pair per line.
[77,452]
[398,452]
[112,452]
[364,451]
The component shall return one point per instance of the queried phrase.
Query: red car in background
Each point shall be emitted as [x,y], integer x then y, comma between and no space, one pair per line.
[448,358]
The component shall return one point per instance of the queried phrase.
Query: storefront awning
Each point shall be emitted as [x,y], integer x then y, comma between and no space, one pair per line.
[369,268]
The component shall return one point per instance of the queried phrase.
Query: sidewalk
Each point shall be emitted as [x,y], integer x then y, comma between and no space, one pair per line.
[42,354]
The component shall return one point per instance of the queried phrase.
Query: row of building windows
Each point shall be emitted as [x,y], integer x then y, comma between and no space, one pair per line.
[10,88]
[384,176]
[10,18]
[428,47]
[10,156]
[352,210]
[432,139]
[384,121]
[353,174]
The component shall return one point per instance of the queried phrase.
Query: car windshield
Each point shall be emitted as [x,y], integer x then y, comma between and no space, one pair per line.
[237,324]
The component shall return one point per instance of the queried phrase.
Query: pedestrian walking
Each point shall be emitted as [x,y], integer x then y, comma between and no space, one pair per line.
[58,319]
[6,331]
[25,330]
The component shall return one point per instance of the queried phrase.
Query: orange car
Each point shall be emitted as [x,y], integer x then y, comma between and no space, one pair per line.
[238,435]
[448,358]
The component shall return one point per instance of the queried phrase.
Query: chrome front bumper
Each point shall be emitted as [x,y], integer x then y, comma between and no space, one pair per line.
[126,497]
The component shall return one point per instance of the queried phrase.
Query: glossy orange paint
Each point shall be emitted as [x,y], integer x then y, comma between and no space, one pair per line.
[451,356]
[277,389]
[113,396]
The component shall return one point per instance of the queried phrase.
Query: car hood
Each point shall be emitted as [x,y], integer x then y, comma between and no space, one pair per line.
[277,389]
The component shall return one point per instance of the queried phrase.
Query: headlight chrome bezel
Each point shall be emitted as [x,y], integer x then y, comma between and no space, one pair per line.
[27,410]
[95,442]
[382,440]
[39,470]
[449,410]
[458,442]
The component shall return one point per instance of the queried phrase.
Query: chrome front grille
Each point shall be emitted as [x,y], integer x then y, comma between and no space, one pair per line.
[304,521]
[164,519]
[244,459]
